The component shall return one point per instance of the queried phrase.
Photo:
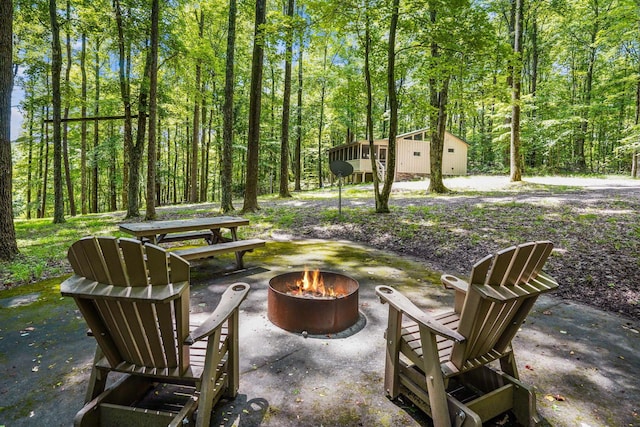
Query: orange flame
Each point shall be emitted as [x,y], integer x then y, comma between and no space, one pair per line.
[312,284]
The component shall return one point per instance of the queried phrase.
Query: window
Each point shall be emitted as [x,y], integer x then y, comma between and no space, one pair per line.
[416,154]
[450,150]
[365,151]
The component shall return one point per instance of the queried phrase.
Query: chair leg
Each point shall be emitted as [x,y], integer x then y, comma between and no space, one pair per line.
[233,363]
[435,382]
[508,365]
[208,389]
[98,378]
[392,368]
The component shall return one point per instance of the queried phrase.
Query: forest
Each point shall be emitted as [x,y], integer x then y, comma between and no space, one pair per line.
[141,103]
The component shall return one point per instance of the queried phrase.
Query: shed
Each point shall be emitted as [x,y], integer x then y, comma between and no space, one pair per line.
[412,156]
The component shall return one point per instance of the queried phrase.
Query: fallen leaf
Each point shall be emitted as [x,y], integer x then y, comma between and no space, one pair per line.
[554,397]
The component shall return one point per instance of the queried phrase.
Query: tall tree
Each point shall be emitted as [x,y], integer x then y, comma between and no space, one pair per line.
[298,150]
[96,129]
[56,69]
[135,156]
[195,142]
[369,90]
[321,120]
[226,177]
[635,154]
[382,202]
[83,130]
[150,212]
[253,136]
[286,105]
[8,245]
[67,100]
[516,167]
[125,94]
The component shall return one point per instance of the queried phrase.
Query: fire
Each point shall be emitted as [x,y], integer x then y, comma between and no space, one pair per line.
[312,285]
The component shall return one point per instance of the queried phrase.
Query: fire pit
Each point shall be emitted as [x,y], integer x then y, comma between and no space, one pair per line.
[316,302]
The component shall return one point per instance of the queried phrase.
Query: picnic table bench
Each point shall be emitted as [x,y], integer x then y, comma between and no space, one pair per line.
[209,229]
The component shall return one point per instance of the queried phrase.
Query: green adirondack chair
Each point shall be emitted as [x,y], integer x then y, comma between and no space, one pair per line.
[135,300]
[441,363]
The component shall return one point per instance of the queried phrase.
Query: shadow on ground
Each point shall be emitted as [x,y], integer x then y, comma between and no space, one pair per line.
[581,361]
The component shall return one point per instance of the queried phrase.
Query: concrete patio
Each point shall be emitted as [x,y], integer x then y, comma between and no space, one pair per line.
[583,362]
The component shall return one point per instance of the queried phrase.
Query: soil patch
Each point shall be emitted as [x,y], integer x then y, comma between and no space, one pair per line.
[593,223]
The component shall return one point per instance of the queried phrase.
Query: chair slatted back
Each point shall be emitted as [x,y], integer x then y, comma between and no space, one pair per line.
[502,289]
[122,308]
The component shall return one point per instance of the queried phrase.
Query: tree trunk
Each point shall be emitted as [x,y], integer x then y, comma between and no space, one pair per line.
[83,127]
[113,153]
[8,245]
[439,91]
[193,176]
[581,162]
[56,68]
[226,177]
[125,94]
[65,131]
[535,56]
[515,162]
[298,151]
[383,206]
[30,162]
[635,156]
[438,119]
[367,79]
[206,148]
[40,171]
[96,132]
[150,212]
[286,107]
[321,124]
[175,167]
[253,136]
[135,159]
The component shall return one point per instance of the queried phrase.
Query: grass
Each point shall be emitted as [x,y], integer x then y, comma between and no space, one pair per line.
[43,245]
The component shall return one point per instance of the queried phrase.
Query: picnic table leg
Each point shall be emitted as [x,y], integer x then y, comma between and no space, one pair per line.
[239,262]
[216,236]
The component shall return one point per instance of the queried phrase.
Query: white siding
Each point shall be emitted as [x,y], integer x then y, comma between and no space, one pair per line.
[412,157]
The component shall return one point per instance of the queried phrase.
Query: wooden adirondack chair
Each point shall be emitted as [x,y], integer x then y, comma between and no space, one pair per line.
[441,363]
[135,299]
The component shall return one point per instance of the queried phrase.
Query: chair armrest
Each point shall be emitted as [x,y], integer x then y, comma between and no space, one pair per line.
[404,305]
[80,287]
[229,303]
[452,282]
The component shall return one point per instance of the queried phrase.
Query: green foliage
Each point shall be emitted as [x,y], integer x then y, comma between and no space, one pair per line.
[581,58]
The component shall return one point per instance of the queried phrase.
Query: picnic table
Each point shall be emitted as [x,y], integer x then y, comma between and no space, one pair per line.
[209,229]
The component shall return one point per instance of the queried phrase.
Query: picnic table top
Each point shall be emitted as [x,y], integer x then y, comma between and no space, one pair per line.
[174,226]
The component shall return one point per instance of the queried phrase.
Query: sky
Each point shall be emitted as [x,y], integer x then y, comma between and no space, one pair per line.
[16,116]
